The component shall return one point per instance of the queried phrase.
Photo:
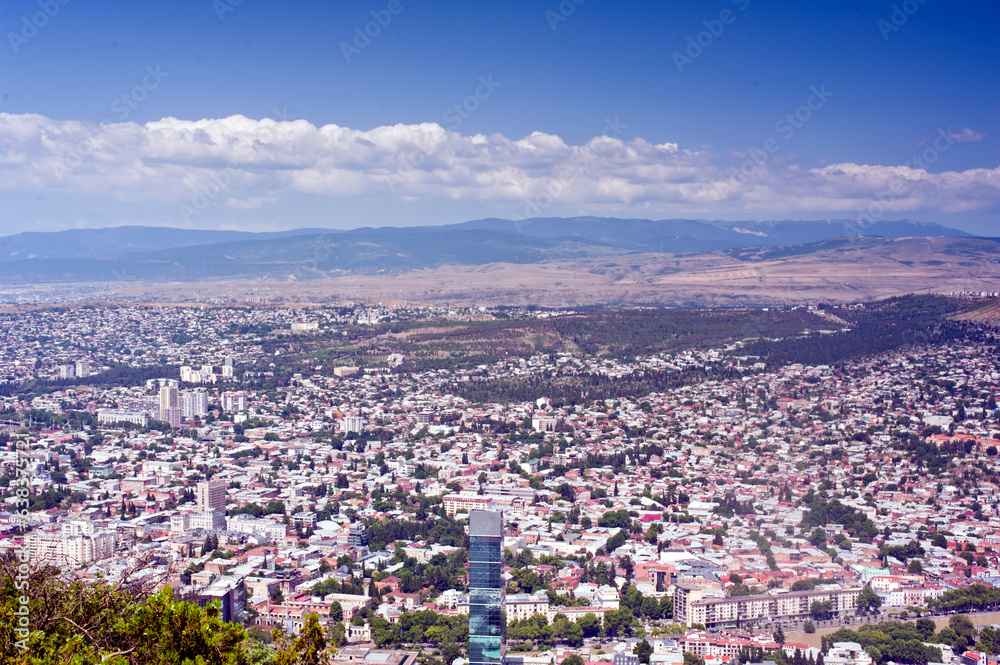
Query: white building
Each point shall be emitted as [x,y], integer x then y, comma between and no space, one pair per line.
[213,521]
[234,402]
[271,529]
[112,416]
[194,403]
[73,546]
[352,424]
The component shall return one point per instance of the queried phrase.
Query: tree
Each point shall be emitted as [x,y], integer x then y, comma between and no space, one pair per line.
[808,626]
[926,628]
[590,624]
[868,601]
[962,625]
[574,635]
[277,596]
[573,659]
[779,636]
[818,537]
[915,567]
[644,650]
[336,611]
[989,640]
[308,648]
[821,610]
[90,623]
[650,608]
[338,634]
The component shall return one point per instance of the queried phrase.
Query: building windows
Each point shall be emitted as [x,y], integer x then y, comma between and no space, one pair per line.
[487,643]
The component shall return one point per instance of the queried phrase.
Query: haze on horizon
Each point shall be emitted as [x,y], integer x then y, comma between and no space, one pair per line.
[228,114]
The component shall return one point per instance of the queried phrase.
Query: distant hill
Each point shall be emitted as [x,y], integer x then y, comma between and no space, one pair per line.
[117,241]
[133,253]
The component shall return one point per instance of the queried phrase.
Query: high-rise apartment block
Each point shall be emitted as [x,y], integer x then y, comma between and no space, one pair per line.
[194,403]
[234,402]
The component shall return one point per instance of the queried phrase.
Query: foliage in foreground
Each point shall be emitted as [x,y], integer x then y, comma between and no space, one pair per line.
[83,623]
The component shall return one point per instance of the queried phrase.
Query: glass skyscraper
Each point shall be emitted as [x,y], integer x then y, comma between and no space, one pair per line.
[487,629]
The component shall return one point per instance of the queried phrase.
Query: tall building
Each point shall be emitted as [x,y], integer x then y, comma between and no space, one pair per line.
[234,402]
[82,368]
[487,632]
[168,400]
[355,424]
[211,496]
[356,536]
[194,403]
[67,371]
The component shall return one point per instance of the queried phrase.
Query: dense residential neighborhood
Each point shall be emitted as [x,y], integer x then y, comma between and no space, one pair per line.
[706,521]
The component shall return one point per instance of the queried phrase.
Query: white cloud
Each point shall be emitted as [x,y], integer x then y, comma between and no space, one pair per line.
[967,135]
[246,163]
[250,203]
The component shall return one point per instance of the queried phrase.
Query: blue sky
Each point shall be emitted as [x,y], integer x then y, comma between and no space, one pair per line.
[266,115]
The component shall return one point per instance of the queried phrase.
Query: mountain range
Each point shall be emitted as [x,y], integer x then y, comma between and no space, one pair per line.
[159,254]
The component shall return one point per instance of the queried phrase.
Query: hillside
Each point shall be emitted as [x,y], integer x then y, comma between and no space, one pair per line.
[158,255]
[844,272]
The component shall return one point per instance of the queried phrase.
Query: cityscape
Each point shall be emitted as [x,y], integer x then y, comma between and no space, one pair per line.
[557,332]
[754,499]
